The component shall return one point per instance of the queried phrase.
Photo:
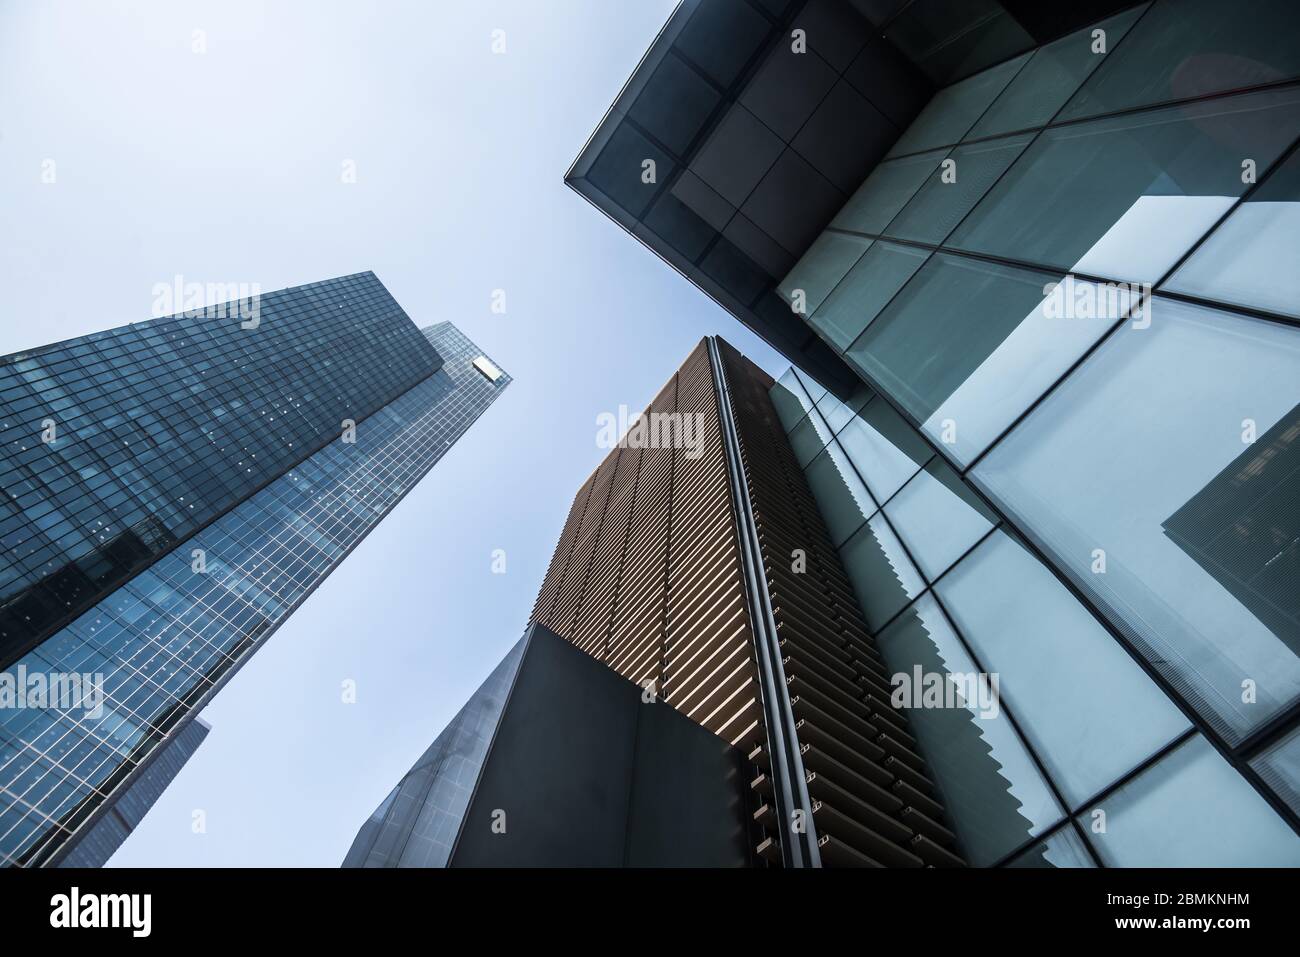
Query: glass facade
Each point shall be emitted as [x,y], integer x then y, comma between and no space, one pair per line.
[116,446]
[1069,295]
[166,640]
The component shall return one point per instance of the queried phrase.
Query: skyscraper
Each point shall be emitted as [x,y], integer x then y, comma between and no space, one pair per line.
[1052,436]
[695,563]
[557,761]
[173,490]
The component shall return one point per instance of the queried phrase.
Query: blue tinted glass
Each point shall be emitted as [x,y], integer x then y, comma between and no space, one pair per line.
[827,260]
[1063,849]
[954,109]
[886,191]
[1279,766]
[1124,197]
[1089,711]
[954,189]
[1194,48]
[163,641]
[1161,476]
[884,448]
[868,287]
[1190,809]
[994,796]
[883,577]
[968,345]
[118,445]
[938,518]
[841,496]
[1250,259]
[1052,76]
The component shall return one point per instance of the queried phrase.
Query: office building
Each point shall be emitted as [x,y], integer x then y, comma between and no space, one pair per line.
[556,761]
[1064,297]
[695,563]
[174,489]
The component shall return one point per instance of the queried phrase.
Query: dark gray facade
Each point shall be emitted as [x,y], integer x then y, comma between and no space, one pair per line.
[558,761]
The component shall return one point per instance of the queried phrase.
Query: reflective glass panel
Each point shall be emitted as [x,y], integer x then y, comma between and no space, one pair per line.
[1193,48]
[1124,197]
[886,191]
[1089,711]
[953,190]
[1063,849]
[938,517]
[1279,766]
[1190,809]
[883,577]
[994,795]
[867,289]
[1051,77]
[886,450]
[1250,260]
[953,110]
[841,496]
[968,345]
[790,399]
[1140,476]
[829,257]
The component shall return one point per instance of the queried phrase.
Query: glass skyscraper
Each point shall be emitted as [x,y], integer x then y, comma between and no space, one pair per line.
[1066,294]
[202,475]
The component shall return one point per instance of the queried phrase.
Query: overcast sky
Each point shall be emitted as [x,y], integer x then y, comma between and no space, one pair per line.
[224,166]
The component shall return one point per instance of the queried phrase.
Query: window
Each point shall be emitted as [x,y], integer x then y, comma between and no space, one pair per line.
[1159,476]
[1088,710]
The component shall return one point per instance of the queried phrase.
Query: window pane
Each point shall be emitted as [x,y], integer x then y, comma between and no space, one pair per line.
[938,517]
[1192,48]
[1251,259]
[1089,711]
[1063,849]
[837,413]
[1141,453]
[883,577]
[829,257]
[1191,809]
[808,438]
[790,399]
[841,496]
[1124,197]
[885,192]
[968,345]
[1050,78]
[886,450]
[941,204]
[993,793]
[1279,766]
[954,109]
[866,290]
[814,388]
